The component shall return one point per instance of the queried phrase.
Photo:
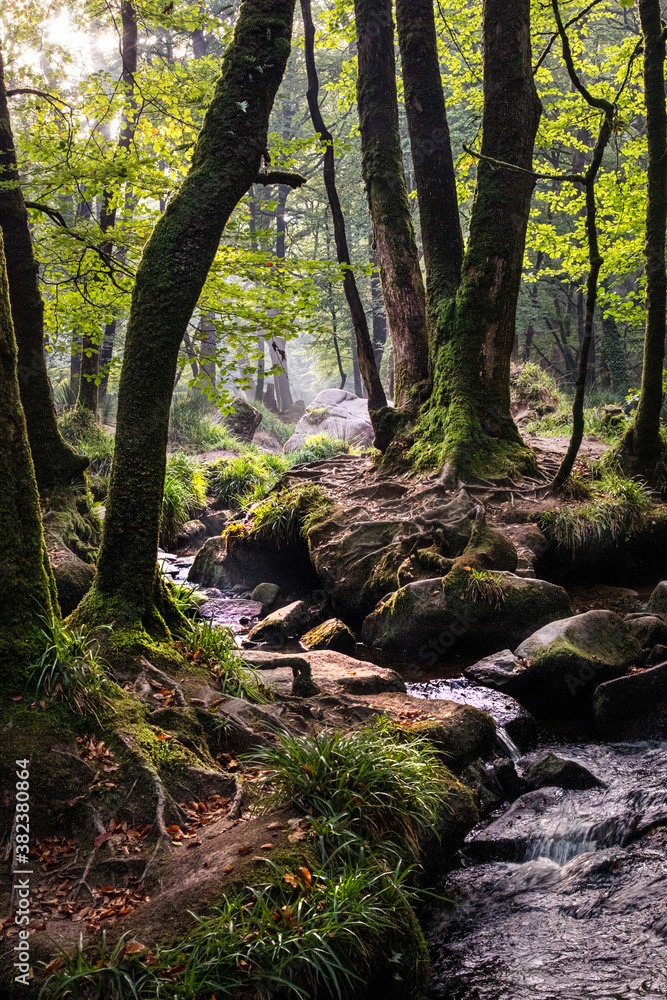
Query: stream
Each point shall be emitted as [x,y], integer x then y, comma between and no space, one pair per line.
[563,894]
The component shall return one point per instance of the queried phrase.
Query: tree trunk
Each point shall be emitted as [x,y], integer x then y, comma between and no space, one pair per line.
[169,281]
[379,315]
[613,352]
[467,426]
[384,177]
[55,462]
[259,386]
[89,383]
[642,446]
[208,342]
[27,588]
[442,241]
[278,345]
[366,359]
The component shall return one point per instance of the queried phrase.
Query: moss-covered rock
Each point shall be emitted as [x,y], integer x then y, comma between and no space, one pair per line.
[463,618]
[332,634]
[285,623]
[462,736]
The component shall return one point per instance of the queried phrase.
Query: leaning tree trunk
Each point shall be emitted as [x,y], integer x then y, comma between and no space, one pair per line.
[89,380]
[362,350]
[170,278]
[467,427]
[27,588]
[384,177]
[442,241]
[642,447]
[55,462]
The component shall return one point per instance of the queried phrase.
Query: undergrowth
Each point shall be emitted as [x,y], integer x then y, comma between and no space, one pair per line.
[213,646]
[484,585]
[286,515]
[617,509]
[184,495]
[300,931]
[79,428]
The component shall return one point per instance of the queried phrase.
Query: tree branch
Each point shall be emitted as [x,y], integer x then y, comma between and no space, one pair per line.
[288,177]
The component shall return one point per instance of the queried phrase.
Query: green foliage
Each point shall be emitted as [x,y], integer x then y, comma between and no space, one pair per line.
[80,430]
[531,382]
[271,422]
[68,669]
[287,514]
[184,495]
[559,424]
[318,447]
[192,426]
[384,787]
[213,646]
[484,585]
[234,482]
[618,508]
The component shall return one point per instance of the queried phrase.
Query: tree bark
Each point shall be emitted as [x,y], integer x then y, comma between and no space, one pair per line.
[379,315]
[467,426]
[27,587]
[366,359]
[55,462]
[278,345]
[89,382]
[384,177]
[169,281]
[642,447]
[442,241]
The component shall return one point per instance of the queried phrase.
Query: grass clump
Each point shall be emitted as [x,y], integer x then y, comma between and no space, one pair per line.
[69,670]
[318,447]
[211,646]
[484,585]
[617,509]
[80,429]
[237,481]
[532,384]
[184,495]
[287,514]
[192,426]
[382,785]
[281,430]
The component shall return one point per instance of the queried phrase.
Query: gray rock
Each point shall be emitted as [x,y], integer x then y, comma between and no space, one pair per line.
[634,706]
[285,623]
[547,769]
[191,532]
[657,602]
[332,634]
[564,661]
[335,412]
[496,670]
[648,630]
[332,672]
[266,594]
[437,611]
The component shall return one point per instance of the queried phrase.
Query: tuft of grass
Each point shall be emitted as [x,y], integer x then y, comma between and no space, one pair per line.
[287,514]
[184,495]
[271,422]
[237,481]
[533,384]
[68,669]
[78,428]
[214,647]
[484,585]
[193,427]
[318,447]
[617,509]
[383,786]
[559,424]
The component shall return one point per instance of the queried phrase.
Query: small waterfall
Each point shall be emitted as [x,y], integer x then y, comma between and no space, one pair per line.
[507,746]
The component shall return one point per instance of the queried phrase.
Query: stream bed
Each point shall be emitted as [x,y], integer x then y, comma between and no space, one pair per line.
[561,895]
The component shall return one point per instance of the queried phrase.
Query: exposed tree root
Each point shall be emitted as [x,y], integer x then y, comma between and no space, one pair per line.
[237,801]
[163,798]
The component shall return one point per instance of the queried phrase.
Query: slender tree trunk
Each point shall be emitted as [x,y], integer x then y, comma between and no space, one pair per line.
[643,447]
[442,241]
[467,426]
[384,177]
[366,359]
[89,384]
[169,281]
[27,588]
[379,315]
[278,345]
[259,385]
[208,346]
[55,462]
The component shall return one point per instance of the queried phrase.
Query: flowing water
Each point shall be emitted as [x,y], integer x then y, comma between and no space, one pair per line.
[561,895]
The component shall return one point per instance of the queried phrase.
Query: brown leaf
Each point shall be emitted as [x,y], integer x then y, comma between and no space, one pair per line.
[245,848]
[306,877]
[102,839]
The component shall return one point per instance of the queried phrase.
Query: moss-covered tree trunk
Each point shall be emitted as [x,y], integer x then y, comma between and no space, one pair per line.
[442,241]
[384,177]
[362,349]
[466,427]
[642,448]
[169,280]
[55,462]
[27,587]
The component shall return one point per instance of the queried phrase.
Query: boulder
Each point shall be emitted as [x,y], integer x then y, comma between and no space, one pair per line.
[648,630]
[266,594]
[337,413]
[563,662]
[331,672]
[657,602]
[332,634]
[243,421]
[73,577]
[285,623]
[547,769]
[443,611]
[236,558]
[634,706]
[462,736]
[190,533]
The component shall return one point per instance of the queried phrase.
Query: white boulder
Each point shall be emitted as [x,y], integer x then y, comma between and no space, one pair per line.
[338,413]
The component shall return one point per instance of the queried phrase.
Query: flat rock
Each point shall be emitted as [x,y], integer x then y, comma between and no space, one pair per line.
[542,770]
[230,610]
[331,672]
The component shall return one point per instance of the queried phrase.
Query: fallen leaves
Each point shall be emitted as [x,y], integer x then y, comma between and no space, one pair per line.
[50,851]
[95,750]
